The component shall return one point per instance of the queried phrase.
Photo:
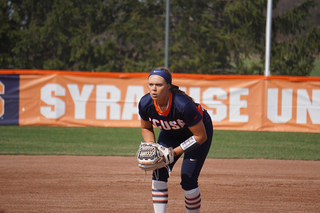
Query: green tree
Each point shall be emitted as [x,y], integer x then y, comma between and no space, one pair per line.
[9,35]
[95,35]
[245,21]
[139,34]
[295,54]
[198,43]
[57,34]
[206,36]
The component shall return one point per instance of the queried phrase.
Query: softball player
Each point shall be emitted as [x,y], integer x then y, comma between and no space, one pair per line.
[185,126]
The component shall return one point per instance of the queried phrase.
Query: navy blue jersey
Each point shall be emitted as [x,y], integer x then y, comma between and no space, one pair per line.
[182,113]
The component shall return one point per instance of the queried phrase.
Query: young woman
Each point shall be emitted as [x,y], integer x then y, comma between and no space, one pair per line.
[185,126]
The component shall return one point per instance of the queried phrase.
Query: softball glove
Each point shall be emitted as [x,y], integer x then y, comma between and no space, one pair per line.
[153,156]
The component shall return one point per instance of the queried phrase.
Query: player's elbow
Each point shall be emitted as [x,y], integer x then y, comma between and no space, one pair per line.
[204,138]
[201,138]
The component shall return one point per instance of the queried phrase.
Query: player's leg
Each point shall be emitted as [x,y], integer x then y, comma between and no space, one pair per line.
[160,189]
[190,171]
[159,180]
[192,200]
[159,196]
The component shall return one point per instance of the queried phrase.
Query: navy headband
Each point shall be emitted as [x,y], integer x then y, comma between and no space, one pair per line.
[163,74]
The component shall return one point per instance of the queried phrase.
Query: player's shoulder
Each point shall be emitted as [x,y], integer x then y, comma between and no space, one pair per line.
[146,100]
[181,100]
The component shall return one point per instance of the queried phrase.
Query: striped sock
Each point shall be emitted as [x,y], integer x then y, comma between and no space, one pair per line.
[159,196]
[192,200]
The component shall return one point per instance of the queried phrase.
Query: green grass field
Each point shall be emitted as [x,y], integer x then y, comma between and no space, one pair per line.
[42,140]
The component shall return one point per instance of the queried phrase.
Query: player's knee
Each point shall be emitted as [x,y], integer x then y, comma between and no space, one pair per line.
[188,183]
[160,174]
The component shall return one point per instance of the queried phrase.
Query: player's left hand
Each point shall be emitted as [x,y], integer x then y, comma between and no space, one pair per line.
[167,153]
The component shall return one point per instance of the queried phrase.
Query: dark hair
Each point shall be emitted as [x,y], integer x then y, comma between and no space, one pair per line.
[173,87]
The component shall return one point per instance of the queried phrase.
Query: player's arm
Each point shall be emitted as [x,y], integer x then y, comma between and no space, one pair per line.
[199,132]
[198,138]
[147,131]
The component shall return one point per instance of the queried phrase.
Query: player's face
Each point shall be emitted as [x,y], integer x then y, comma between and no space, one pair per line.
[158,88]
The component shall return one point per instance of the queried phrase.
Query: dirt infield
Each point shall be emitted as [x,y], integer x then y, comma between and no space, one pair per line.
[114,184]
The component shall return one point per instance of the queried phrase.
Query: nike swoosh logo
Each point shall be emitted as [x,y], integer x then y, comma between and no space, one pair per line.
[191,159]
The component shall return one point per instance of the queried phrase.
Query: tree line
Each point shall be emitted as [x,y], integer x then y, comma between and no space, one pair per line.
[206,36]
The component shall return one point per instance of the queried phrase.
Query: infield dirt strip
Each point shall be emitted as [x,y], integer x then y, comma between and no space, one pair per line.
[114,184]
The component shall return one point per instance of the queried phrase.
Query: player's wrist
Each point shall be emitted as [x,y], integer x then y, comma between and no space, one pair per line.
[189,144]
[178,151]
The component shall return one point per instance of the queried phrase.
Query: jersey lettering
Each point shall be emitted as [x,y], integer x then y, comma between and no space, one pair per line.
[168,125]
[165,125]
[181,123]
[155,122]
[174,125]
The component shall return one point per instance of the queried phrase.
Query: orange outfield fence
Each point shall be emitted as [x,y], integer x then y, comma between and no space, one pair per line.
[109,99]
